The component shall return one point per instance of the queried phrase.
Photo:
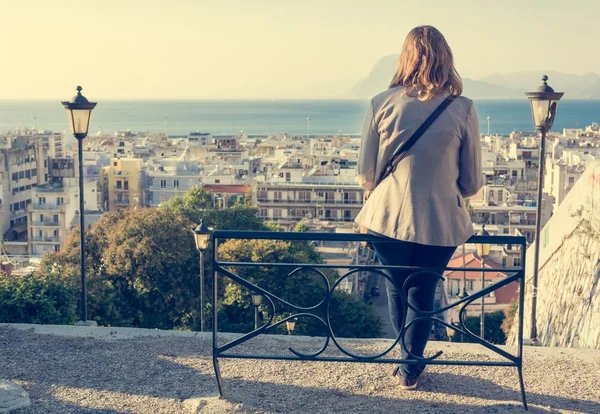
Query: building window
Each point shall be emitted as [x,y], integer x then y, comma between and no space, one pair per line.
[126,185]
[176,183]
[41,217]
[276,212]
[263,212]
[119,198]
[114,164]
[55,218]
[469,285]
[517,262]
[163,183]
[217,181]
[126,199]
[118,185]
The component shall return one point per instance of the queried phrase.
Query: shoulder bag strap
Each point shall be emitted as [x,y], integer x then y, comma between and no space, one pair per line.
[401,152]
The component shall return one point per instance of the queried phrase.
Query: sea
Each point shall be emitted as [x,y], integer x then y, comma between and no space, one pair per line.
[327,117]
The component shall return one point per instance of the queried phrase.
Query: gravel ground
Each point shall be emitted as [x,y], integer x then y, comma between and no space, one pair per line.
[118,370]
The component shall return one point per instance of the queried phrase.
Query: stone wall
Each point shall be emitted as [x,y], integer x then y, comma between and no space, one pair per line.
[568,294]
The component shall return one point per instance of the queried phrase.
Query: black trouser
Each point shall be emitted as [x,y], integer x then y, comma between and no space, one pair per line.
[421,290]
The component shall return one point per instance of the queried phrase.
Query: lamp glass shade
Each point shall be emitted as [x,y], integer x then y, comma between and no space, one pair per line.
[202,241]
[450,332]
[202,235]
[483,249]
[256,299]
[291,324]
[543,112]
[79,120]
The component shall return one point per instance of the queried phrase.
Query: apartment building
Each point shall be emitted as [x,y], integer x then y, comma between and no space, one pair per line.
[51,214]
[121,184]
[24,165]
[560,178]
[170,177]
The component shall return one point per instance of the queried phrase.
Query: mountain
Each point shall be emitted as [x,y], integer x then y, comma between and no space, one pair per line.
[506,85]
[574,86]
[378,80]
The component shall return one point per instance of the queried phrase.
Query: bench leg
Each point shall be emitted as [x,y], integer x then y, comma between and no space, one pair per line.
[218,377]
[522,384]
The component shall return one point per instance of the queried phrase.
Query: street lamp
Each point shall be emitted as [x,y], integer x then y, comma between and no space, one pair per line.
[256,301]
[544,102]
[290,324]
[202,236]
[79,112]
[483,250]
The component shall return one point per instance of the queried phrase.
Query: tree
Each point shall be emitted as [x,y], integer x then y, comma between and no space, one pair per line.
[33,299]
[493,327]
[192,204]
[142,269]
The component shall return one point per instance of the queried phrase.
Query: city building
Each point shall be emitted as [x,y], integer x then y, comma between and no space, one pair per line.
[122,184]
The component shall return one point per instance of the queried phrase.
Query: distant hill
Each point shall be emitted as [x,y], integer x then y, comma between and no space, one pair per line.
[508,85]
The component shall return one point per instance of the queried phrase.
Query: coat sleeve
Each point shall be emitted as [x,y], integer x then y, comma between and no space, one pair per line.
[470,175]
[369,149]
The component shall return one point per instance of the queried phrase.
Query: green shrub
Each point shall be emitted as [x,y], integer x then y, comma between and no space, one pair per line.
[36,299]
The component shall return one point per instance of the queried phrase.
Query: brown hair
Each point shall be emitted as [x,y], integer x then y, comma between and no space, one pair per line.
[426,65]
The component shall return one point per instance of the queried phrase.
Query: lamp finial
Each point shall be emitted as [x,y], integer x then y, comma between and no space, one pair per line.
[79,89]
[545,79]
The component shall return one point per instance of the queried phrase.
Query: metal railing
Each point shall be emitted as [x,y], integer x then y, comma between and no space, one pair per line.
[310,202]
[46,206]
[45,223]
[50,239]
[225,269]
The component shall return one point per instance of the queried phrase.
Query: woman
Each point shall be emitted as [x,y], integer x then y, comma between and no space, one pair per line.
[421,204]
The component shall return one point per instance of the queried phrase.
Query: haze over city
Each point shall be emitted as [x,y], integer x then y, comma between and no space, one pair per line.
[269,49]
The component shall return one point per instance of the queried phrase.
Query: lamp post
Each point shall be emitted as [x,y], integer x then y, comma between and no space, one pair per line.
[464,293]
[256,301]
[79,112]
[544,102]
[202,238]
[483,250]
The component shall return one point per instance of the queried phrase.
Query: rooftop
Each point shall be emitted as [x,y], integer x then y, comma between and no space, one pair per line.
[68,369]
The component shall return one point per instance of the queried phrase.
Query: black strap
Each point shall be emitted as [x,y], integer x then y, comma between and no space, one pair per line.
[401,152]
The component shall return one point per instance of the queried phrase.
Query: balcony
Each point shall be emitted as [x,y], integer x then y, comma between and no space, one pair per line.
[309,202]
[46,206]
[117,188]
[18,213]
[45,223]
[50,239]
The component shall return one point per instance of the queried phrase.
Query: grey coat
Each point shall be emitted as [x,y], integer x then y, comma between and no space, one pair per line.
[423,200]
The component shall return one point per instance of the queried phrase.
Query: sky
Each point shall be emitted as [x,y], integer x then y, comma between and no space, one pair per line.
[246,49]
